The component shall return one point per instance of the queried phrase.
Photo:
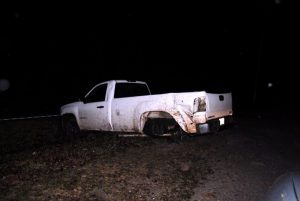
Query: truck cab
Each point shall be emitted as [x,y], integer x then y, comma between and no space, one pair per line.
[96,111]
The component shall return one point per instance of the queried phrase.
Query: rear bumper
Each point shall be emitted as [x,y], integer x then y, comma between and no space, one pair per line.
[214,125]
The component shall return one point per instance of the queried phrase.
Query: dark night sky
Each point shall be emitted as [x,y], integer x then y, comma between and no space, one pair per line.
[53,54]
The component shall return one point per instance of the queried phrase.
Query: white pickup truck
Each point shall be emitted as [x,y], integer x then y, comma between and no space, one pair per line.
[128,106]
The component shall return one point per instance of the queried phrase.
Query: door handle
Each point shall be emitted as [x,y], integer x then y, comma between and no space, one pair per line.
[101,106]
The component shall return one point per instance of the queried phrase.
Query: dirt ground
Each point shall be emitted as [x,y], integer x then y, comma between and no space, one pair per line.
[238,163]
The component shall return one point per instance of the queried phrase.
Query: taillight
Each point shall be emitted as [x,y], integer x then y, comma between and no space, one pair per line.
[199,104]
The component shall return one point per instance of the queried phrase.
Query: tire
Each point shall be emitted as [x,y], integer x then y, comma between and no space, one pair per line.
[153,128]
[70,128]
[179,135]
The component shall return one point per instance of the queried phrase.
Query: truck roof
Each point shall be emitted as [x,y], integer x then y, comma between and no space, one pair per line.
[129,81]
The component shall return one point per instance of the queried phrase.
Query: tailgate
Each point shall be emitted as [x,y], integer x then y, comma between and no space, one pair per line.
[218,105]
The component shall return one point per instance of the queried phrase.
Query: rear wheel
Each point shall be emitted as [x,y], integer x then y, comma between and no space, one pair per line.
[153,127]
[179,134]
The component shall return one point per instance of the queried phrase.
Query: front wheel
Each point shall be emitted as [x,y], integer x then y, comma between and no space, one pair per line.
[70,128]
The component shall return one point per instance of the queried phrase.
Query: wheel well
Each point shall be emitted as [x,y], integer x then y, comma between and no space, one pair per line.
[158,123]
[68,116]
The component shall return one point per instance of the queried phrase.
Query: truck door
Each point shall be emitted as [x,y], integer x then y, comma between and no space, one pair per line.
[93,113]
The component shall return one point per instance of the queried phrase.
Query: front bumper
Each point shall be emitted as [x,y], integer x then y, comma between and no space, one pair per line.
[214,125]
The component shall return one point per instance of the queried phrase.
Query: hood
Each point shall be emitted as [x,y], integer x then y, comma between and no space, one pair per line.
[70,105]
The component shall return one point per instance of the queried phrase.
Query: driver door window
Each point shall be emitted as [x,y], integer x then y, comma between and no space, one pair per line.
[97,95]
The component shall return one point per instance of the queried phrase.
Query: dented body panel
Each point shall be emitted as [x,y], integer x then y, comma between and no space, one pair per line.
[130,114]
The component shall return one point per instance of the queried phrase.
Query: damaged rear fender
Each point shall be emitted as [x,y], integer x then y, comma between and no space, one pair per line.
[168,121]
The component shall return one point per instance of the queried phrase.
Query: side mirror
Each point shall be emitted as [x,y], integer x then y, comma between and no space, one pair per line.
[82,99]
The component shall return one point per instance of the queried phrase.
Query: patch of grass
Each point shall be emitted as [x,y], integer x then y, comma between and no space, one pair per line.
[19,135]
[98,166]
